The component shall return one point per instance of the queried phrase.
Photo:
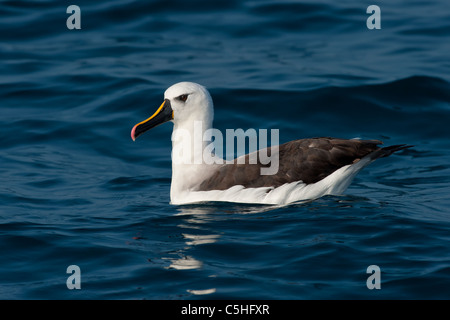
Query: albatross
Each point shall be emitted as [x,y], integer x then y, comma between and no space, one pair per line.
[307,168]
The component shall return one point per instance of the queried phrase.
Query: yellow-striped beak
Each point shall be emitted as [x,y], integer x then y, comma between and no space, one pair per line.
[163,114]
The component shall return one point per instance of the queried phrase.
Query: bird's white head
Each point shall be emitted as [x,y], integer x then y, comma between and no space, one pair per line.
[184,103]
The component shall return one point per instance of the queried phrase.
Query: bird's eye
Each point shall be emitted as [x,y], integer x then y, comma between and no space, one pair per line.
[183,97]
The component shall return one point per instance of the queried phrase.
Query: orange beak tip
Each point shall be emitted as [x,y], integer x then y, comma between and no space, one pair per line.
[133,133]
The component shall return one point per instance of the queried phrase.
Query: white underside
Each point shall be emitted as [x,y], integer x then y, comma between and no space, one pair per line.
[334,184]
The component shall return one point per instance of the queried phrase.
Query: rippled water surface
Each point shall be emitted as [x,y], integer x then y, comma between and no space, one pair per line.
[75,190]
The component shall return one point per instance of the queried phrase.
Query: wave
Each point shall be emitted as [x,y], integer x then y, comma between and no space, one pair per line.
[402,108]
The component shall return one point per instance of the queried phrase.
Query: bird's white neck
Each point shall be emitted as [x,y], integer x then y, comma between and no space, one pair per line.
[190,149]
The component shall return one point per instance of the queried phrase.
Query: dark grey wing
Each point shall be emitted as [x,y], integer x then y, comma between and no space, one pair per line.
[306,160]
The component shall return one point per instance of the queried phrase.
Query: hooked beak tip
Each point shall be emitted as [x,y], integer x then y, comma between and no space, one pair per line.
[133,132]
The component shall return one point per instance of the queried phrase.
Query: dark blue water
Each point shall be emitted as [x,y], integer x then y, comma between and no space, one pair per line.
[75,190]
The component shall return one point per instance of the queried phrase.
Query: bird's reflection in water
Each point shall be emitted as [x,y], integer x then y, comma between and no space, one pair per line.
[196,228]
[196,223]
[199,225]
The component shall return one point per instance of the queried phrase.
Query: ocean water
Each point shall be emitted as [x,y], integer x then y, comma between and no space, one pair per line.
[76,190]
